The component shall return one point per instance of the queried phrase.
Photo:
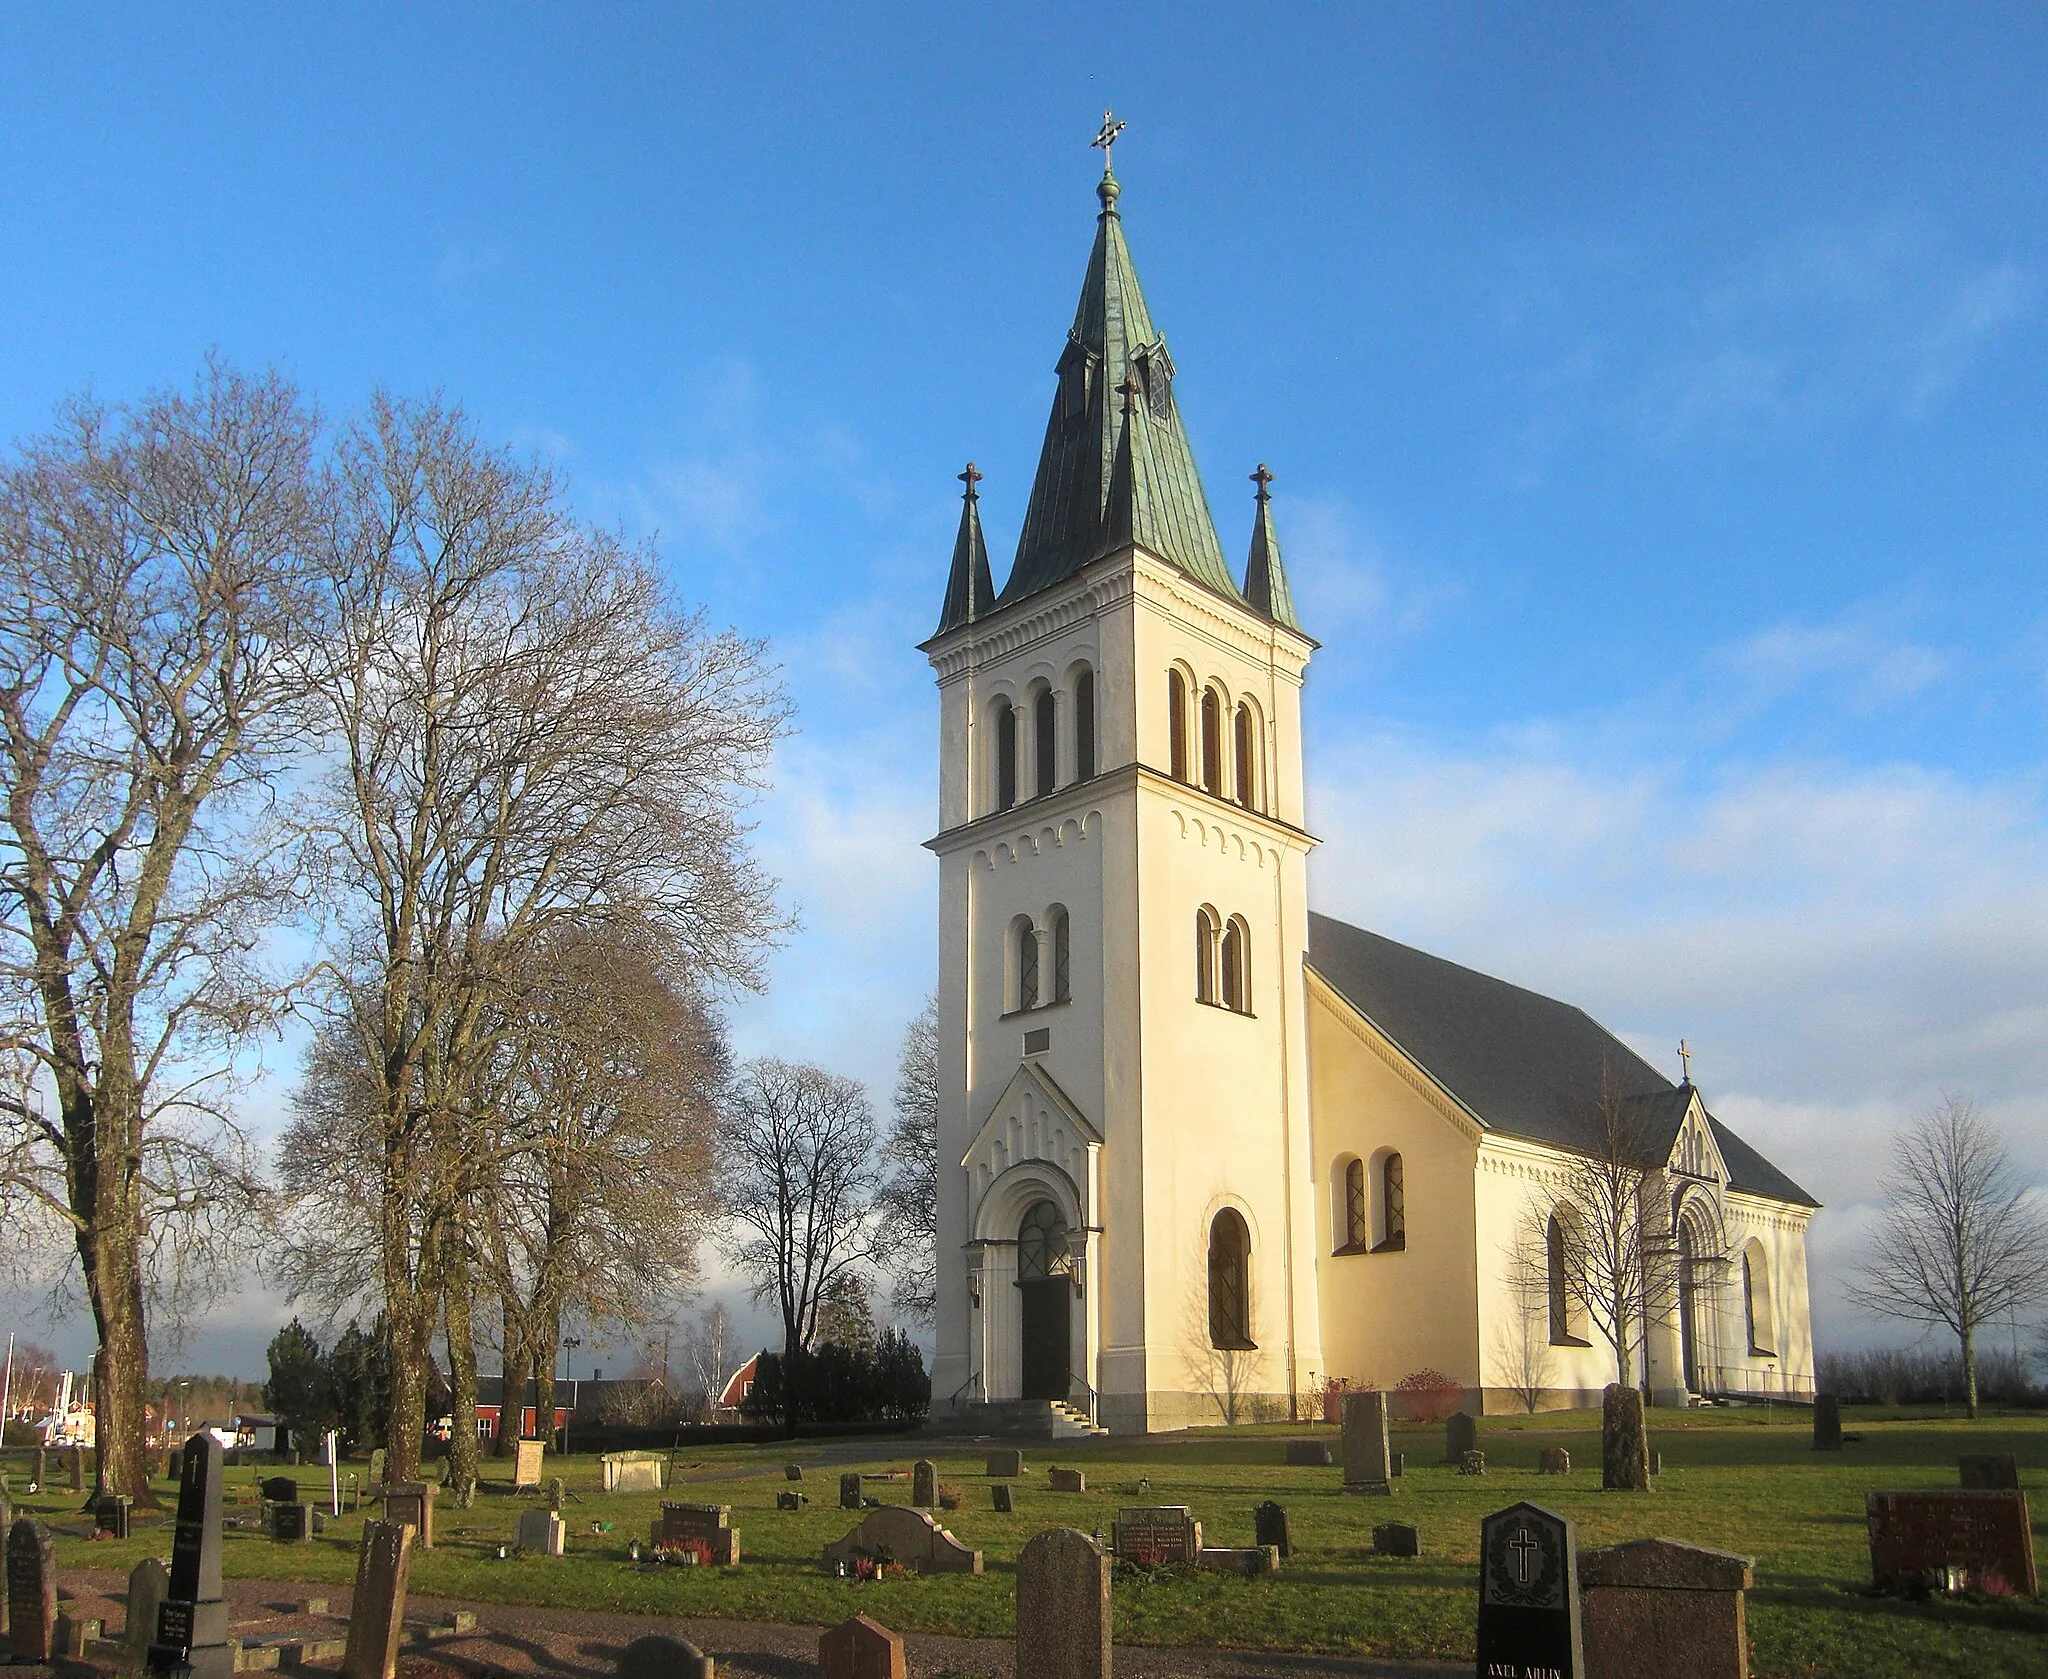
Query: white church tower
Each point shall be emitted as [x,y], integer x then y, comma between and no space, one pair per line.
[1126,1196]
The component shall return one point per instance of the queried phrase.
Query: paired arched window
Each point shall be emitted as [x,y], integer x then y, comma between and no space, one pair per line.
[1212,742]
[1062,957]
[1177,725]
[1247,758]
[1567,1316]
[1756,1301]
[1039,962]
[1208,934]
[1084,725]
[1354,1217]
[1392,1184]
[1230,1294]
[1024,963]
[1045,741]
[1006,755]
[1236,964]
[1223,961]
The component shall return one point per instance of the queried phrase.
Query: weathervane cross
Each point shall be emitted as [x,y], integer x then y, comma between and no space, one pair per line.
[1685,1060]
[1111,128]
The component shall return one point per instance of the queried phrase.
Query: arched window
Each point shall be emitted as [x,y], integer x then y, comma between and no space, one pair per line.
[1236,964]
[1084,725]
[1393,1204]
[1230,1295]
[1206,939]
[1212,742]
[1176,725]
[1006,754]
[1045,740]
[1062,960]
[1566,1315]
[1247,760]
[1756,1300]
[1024,945]
[1042,1249]
[1354,1228]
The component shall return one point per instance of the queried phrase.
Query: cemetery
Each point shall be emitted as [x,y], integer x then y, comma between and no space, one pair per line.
[1907,1552]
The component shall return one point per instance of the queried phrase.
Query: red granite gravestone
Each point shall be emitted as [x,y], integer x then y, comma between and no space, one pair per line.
[1152,1534]
[709,1525]
[1656,1606]
[31,1593]
[858,1648]
[1529,1596]
[1951,1541]
[376,1615]
[658,1656]
[1062,1607]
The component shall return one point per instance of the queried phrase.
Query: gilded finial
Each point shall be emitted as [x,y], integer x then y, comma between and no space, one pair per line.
[1107,189]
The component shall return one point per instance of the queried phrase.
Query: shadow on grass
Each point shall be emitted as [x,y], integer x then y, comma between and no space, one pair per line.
[1991,1614]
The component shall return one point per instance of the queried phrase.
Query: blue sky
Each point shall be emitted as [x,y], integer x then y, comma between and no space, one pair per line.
[1655,397]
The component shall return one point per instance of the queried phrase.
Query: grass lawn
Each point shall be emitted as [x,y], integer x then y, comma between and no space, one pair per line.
[1733,1480]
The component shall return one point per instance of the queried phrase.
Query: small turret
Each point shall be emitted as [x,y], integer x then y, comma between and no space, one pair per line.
[969,590]
[1265,578]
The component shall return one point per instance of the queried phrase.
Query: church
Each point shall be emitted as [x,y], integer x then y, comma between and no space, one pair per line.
[1203,1153]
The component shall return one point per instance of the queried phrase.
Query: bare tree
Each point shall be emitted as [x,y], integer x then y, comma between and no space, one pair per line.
[707,1350]
[527,734]
[153,586]
[1962,1242]
[1615,1251]
[803,1193]
[911,1196]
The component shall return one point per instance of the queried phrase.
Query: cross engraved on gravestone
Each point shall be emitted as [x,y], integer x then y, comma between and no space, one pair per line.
[924,1486]
[31,1592]
[1529,1595]
[1368,1466]
[657,1656]
[1063,1602]
[149,1583]
[192,1623]
[376,1615]
[858,1648]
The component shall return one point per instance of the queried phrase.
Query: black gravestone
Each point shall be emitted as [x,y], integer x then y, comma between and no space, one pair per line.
[1827,1423]
[192,1626]
[280,1489]
[1005,1503]
[1461,1435]
[1529,1596]
[31,1593]
[110,1513]
[1269,1527]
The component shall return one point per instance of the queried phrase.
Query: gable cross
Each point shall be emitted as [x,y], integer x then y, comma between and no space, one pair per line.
[1685,1061]
[1111,128]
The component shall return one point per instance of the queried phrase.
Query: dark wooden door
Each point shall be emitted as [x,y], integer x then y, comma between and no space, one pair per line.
[1047,1338]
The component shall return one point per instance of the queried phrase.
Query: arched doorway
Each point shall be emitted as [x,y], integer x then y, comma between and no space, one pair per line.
[1044,1270]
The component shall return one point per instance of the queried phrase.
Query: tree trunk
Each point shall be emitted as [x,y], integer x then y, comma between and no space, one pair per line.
[518,1370]
[462,1452]
[111,1261]
[1969,1340]
[792,1378]
[409,1335]
[542,1351]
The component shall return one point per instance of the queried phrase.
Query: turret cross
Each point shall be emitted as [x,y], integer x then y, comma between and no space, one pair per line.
[1262,478]
[1685,1061]
[971,477]
[1111,128]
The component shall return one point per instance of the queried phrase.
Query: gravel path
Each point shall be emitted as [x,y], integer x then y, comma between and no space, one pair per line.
[514,1639]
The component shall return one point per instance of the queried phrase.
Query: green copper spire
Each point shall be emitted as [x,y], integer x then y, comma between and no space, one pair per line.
[1073,516]
[1265,578]
[969,589]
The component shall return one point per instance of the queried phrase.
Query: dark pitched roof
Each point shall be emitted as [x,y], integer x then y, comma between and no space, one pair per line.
[1102,479]
[1265,578]
[969,592]
[1521,1062]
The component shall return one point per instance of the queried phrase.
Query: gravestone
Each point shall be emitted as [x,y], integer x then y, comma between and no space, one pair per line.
[1067,1480]
[1062,1607]
[907,1536]
[657,1656]
[858,1648]
[1005,1502]
[149,1583]
[924,1485]
[1308,1454]
[1827,1423]
[1529,1596]
[849,1492]
[192,1622]
[557,1492]
[1367,1461]
[1950,1541]
[76,1634]
[31,1592]
[1472,1463]
[175,1467]
[376,1615]
[1624,1442]
[709,1525]
[1656,1463]
[42,1473]
[1269,1527]
[1153,1534]
[110,1513]
[526,1464]
[1461,1435]
[1554,1460]
[1248,1560]
[78,1469]
[1005,1461]
[1397,1462]
[1396,1539]
[792,1472]
[412,1503]
[377,1467]
[542,1532]
[1989,1471]
[1656,1606]
[279,1489]
[290,1524]
[633,1471]
[789,1501]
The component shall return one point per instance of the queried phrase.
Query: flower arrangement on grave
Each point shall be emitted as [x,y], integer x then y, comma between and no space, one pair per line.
[683,1553]
[877,1564]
